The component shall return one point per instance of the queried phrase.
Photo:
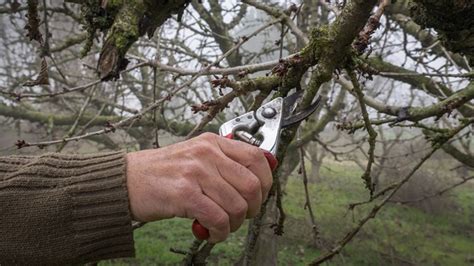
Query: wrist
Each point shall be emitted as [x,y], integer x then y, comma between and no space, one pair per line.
[130,172]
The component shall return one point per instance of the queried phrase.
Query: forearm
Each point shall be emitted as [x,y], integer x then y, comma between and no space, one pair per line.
[64,209]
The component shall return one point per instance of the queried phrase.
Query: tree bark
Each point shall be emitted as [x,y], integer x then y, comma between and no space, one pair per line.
[452,19]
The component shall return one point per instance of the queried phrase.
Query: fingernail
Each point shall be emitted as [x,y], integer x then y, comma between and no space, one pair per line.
[272,161]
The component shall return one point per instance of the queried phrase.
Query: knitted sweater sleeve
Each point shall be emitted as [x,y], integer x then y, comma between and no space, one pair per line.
[64,209]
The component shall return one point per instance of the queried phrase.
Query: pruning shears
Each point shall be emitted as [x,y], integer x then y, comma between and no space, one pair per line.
[262,128]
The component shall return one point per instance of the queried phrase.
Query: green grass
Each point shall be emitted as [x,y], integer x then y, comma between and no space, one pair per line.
[399,235]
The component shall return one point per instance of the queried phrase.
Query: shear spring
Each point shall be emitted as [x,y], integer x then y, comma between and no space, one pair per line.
[247,137]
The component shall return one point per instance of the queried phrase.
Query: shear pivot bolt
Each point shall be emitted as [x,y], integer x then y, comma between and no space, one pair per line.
[268,112]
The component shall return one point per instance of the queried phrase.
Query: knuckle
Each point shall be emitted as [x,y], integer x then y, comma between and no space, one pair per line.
[242,171]
[189,169]
[239,210]
[252,187]
[199,150]
[255,154]
[221,222]
[207,136]
[202,149]
[195,171]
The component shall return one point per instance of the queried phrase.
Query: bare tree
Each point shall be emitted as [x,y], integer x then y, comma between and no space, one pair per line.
[133,74]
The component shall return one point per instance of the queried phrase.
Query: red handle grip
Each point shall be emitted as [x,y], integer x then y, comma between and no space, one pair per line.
[272,161]
[201,232]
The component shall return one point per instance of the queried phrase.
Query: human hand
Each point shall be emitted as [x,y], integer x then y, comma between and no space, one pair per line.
[215,180]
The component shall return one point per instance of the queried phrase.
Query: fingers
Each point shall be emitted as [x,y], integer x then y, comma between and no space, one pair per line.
[232,177]
[215,180]
[211,216]
[245,182]
[228,198]
[251,157]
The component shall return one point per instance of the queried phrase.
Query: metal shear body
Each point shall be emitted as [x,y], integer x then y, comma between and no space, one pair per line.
[262,128]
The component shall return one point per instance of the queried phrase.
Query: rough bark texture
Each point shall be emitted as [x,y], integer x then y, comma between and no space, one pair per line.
[133,20]
[452,19]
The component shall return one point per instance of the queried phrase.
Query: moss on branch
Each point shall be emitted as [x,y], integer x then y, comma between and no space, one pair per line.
[179,129]
[464,158]
[124,22]
[452,19]
[417,81]
[425,83]
[446,106]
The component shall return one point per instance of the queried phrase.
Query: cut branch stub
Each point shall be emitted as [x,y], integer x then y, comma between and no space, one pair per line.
[21,144]
[42,78]
[134,19]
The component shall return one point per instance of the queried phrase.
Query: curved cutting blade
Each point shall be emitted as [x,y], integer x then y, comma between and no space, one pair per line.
[290,118]
[289,103]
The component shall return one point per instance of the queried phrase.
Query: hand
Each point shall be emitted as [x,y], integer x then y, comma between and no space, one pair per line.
[215,180]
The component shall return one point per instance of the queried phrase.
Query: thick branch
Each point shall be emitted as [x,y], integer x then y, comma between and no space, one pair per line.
[134,19]
[452,19]
[455,101]
[180,129]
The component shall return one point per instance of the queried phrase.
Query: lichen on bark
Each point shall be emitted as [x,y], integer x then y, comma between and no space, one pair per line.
[123,22]
[96,18]
[319,42]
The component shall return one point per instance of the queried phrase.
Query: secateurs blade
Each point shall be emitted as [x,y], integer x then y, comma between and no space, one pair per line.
[262,128]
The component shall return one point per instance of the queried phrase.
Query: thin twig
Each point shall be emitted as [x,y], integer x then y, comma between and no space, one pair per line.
[439,193]
[277,13]
[248,69]
[377,207]
[229,97]
[73,128]
[19,96]
[201,256]
[156,144]
[370,130]
[111,127]
[396,74]
[307,204]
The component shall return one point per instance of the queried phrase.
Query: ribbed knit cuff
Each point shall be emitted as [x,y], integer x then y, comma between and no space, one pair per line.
[101,216]
[61,209]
